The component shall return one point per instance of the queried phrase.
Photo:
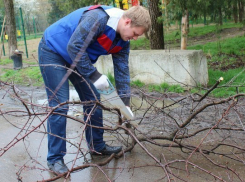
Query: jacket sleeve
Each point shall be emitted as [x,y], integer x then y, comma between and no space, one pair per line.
[121,74]
[91,25]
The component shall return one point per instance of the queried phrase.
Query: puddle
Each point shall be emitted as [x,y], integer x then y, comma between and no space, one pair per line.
[136,103]
[139,103]
[73,97]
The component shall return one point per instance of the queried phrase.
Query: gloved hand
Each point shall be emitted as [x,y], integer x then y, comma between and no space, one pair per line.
[102,83]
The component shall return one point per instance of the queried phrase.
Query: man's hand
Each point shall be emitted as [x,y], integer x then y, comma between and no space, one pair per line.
[102,83]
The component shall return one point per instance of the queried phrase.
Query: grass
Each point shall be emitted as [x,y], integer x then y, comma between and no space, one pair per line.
[31,36]
[5,61]
[161,88]
[137,83]
[199,31]
[30,62]
[10,61]
[165,87]
[141,43]
[228,46]
[111,78]
[27,76]
[234,82]
[173,35]
[226,51]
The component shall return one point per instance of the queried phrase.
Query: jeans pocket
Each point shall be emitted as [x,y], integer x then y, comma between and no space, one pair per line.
[47,56]
[46,48]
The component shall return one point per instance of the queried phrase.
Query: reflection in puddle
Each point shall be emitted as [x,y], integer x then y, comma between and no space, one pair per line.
[73,97]
[73,110]
[137,103]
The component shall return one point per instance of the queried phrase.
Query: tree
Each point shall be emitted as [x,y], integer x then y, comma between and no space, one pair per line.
[55,13]
[156,33]
[183,6]
[41,17]
[2,12]
[1,7]
[184,29]
[29,10]
[10,25]
[241,10]
[219,7]
[234,7]
[61,8]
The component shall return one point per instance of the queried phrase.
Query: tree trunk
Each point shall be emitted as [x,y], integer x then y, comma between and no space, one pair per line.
[166,14]
[241,10]
[205,17]
[184,30]
[156,33]
[235,12]
[10,26]
[187,21]
[121,4]
[220,16]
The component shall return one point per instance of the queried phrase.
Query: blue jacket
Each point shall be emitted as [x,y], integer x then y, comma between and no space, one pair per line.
[73,32]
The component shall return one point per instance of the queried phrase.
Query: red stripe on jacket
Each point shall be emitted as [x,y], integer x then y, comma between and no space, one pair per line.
[105,42]
[94,7]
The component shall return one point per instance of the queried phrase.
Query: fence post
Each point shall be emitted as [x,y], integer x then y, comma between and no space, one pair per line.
[34,26]
[24,34]
[2,39]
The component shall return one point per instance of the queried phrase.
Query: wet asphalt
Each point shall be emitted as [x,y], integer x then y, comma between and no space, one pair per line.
[25,160]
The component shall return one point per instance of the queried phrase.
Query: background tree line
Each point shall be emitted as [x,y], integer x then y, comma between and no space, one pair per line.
[191,10]
[215,10]
[163,13]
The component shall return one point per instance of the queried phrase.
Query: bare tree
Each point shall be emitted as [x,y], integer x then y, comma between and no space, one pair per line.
[178,136]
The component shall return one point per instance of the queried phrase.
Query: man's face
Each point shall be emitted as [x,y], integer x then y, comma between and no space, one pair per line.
[128,32]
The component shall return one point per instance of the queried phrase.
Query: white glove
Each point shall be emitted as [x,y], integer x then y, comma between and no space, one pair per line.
[102,83]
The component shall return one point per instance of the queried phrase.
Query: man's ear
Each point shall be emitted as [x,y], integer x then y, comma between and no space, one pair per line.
[127,21]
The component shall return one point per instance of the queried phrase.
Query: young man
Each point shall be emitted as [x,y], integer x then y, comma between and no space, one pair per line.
[76,41]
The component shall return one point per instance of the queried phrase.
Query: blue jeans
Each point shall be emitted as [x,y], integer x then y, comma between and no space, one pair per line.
[56,125]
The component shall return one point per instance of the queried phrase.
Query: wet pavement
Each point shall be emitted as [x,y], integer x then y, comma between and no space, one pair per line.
[26,159]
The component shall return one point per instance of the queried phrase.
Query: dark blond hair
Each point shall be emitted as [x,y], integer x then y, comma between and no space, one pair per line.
[139,16]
